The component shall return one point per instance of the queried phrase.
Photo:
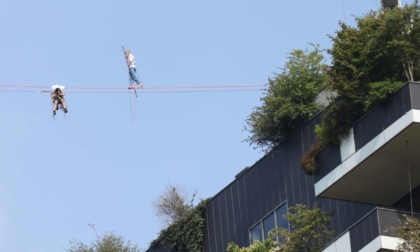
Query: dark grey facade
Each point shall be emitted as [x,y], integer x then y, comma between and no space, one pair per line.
[278,177]
[367,188]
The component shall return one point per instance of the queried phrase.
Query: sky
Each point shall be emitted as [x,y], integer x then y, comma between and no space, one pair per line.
[113,155]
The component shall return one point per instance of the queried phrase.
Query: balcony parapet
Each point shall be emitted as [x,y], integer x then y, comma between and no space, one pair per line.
[380,157]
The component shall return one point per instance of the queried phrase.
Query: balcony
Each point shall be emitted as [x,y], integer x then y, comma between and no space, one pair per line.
[374,232]
[380,160]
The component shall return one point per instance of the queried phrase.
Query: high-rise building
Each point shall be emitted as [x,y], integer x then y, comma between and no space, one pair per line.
[367,183]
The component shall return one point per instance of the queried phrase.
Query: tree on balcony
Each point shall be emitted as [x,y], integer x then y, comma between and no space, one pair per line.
[308,232]
[410,233]
[369,62]
[290,100]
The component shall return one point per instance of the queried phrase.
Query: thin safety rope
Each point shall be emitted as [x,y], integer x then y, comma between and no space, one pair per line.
[135,113]
[344,11]
[409,181]
[131,109]
[133,118]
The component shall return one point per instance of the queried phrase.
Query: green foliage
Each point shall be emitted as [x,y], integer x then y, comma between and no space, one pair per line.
[108,242]
[379,91]
[308,230]
[399,39]
[410,233]
[369,62]
[308,161]
[309,233]
[186,233]
[269,244]
[337,121]
[290,99]
[341,114]
[375,50]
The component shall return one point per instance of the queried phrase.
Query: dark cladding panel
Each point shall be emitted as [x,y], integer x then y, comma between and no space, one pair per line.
[356,238]
[297,174]
[253,197]
[308,132]
[266,180]
[308,138]
[328,159]
[224,222]
[230,211]
[310,192]
[399,104]
[341,214]
[382,116]
[370,126]
[244,198]
[276,179]
[209,237]
[262,189]
[290,155]
[217,224]
[364,231]
[239,238]
[374,226]
[245,216]
[269,187]
[259,195]
[370,232]
[335,212]
[306,190]
[282,179]
[299,188]
[415,94]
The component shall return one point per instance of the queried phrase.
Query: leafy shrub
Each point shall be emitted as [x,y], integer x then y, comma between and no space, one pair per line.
[186,233]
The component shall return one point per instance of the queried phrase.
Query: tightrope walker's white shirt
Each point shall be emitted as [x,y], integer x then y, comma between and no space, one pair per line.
[132,60]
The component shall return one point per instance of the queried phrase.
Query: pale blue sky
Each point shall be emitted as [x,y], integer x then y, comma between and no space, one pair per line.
[97,166]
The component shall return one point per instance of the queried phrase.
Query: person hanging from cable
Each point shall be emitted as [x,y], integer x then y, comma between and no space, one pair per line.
[57,95]
[131,62]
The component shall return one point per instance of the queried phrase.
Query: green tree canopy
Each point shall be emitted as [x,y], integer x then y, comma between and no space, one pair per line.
[308,233]
[108,242]
[290,99]
[409,231]
[269,245]
[308,230]
[369,62]
[379,48]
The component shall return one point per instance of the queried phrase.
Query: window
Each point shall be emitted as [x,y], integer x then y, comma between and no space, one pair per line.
[280,214]
[256,233]
[269,224]
[275,219]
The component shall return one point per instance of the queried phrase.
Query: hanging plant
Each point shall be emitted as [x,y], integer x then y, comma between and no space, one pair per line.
[308,161]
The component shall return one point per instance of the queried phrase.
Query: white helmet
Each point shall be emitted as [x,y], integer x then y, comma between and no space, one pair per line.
[54,87]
